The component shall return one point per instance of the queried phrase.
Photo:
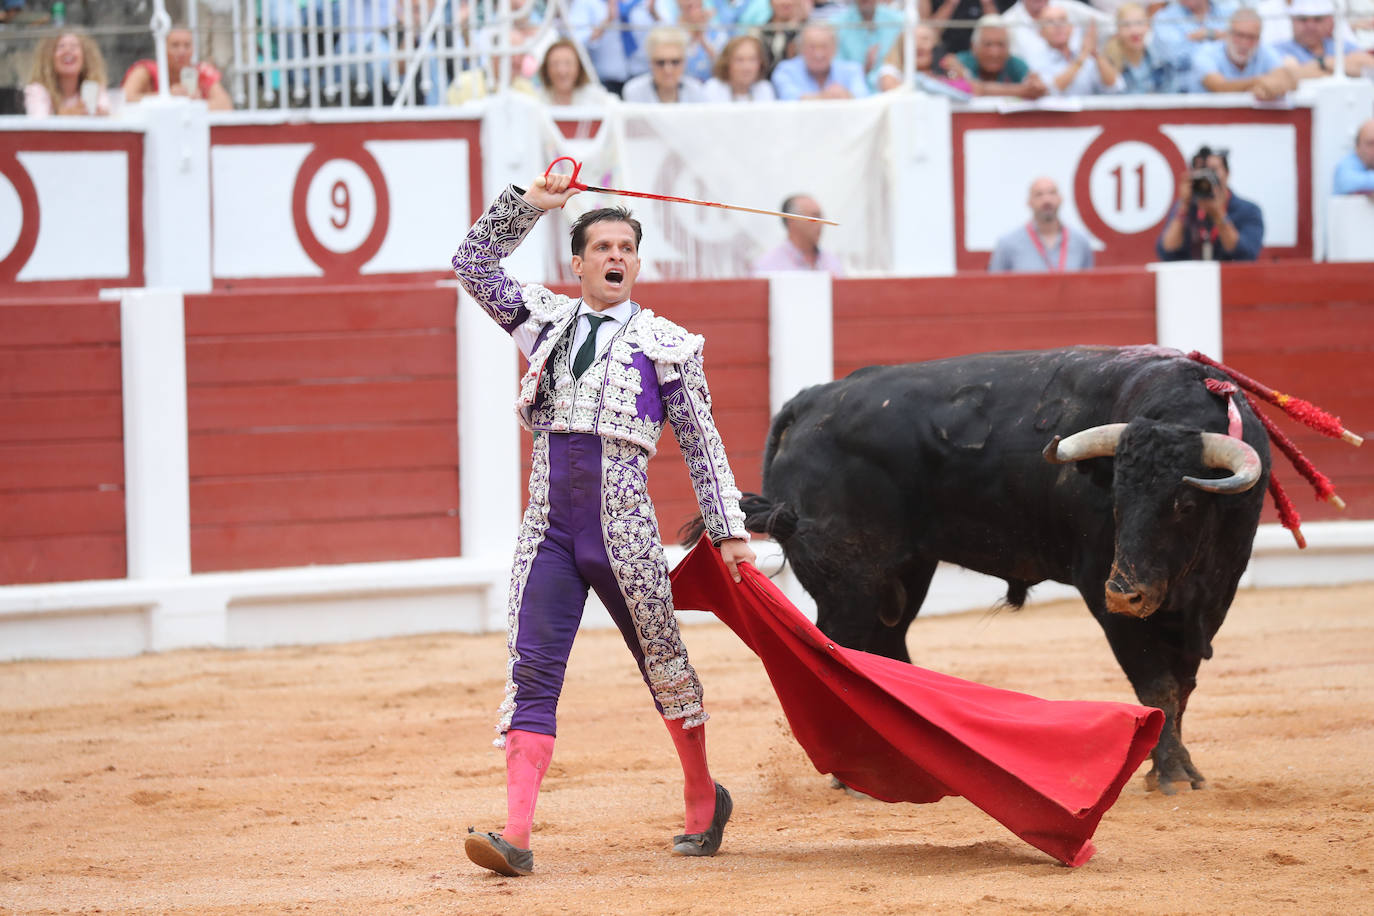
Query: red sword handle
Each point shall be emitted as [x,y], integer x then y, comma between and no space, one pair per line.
[577,168]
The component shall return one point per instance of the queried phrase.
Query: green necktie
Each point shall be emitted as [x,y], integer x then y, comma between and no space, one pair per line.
[587,351]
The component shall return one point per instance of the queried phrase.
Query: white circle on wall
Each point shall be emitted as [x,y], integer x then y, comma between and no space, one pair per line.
[341,205]
[1131,187]
[11,216]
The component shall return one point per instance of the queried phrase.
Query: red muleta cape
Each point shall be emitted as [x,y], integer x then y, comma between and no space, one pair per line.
[1047,770]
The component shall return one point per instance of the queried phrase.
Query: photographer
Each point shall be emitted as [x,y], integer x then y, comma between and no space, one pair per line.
[1209,223]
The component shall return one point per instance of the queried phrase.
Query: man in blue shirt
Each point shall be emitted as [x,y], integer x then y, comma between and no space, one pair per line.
[1313,45]
[1239,63]
[1209,223]
[1355,173]
[866,31]
[816,73]
[1182,27]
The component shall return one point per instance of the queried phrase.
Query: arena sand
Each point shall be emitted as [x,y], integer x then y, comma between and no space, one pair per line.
[341,779]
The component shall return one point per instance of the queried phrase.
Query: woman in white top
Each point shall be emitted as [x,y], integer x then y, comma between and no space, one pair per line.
[62,64]
[739,73]
[564,81]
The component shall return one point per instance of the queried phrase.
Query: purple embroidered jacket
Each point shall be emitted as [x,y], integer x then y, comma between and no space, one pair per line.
[651,371]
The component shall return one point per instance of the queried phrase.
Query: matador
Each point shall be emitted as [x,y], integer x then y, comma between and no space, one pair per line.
[604,373]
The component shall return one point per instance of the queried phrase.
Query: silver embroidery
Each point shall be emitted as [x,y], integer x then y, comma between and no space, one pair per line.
[641,570]
[477,262]
[532,530]
[689,411]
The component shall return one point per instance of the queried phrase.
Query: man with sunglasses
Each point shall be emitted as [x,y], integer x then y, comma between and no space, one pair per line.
[667,81]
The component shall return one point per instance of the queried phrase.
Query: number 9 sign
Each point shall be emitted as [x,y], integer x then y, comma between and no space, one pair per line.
[341,208]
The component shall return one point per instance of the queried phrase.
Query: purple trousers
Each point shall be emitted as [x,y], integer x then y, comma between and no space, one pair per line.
[590,523]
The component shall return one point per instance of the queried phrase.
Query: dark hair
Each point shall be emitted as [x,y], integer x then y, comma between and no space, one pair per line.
[583,78]
[1202,155]
[790,205]
[603,215]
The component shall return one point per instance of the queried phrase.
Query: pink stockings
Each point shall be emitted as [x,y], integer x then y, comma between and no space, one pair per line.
[527,760]
[698,789]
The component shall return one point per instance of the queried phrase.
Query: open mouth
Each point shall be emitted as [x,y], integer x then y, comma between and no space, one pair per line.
[614,276]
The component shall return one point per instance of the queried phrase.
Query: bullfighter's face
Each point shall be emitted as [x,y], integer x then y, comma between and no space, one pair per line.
[608,264]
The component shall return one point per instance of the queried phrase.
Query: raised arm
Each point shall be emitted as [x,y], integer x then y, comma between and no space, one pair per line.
[500,231]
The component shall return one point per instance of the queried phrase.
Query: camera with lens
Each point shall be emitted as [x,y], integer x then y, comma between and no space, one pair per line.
[1205,182]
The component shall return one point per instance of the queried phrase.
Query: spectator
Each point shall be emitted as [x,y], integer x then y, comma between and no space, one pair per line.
[782,30]
[195,81]
[10,10]
[1184,26]
[518,68]
[1313,45]
[1240,63]
[215,20]
[802,248]
[1278,28]
[614,35]
[936,71]
[1208,222]
[1044,244]
[816,73]
[68,77]
[742,14]
[705,37]
[666,83]
[866,30]
[1129,52]
[953,18]
[1355,173]
[739,73]
[992,69]
[563,80]
[1023,19]
[1086,72]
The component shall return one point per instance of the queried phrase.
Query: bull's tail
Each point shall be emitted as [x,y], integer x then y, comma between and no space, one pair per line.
[761,516]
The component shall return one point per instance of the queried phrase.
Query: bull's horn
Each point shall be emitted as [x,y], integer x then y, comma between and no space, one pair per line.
[1241,460]
[1095,442]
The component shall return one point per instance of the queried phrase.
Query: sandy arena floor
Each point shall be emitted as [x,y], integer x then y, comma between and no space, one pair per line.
[341,779]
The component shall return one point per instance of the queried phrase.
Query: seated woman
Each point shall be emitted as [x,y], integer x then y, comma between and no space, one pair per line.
[563,80]
[189,79]
[62,65]
[1129,52]
[936,72]
[740,73]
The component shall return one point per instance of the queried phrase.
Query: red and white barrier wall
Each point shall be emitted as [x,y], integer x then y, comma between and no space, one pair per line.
[281,422]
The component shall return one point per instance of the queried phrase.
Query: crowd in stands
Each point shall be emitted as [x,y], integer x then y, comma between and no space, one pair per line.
[684,51]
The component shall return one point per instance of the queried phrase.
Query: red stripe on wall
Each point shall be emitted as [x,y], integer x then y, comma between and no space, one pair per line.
[902,320]
[61,442]
[1308,330]
[323,426]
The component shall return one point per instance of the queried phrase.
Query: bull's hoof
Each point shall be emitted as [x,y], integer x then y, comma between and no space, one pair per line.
[1169,785]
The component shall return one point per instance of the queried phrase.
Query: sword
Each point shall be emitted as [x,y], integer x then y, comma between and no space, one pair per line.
[577,168]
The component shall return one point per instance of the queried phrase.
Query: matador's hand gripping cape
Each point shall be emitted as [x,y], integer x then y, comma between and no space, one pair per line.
[1046,770]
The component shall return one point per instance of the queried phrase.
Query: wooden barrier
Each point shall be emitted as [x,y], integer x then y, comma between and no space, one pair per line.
[322,427]
[61,442]
[1308,330]
[908,320]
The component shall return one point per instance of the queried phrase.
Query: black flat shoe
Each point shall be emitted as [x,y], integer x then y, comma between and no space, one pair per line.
[707,844]
[490,851]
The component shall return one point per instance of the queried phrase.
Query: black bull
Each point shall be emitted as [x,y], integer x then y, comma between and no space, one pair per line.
[870,481]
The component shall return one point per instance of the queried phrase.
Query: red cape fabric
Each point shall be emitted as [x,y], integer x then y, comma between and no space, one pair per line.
[1046,770]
